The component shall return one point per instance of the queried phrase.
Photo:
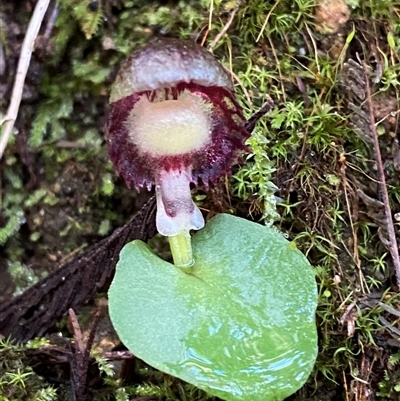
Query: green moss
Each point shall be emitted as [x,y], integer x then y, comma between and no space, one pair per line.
[19,381]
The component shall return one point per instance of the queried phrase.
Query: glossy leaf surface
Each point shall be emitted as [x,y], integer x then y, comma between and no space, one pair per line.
[241,326]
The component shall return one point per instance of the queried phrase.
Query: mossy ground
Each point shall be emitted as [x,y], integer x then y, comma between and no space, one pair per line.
[60,193]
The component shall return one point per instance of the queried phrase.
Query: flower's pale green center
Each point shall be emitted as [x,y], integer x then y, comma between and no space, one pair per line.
[170,127]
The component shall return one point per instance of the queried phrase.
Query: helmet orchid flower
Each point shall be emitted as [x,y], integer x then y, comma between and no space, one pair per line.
[174,121]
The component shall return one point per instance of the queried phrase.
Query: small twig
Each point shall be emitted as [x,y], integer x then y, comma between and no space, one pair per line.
[281,80]
[22,69]
[314,46]
[252,121]
[389,309]
[78,375]
[389,326]
[91,337]
[210,15]
[346,390]
[225,28]
[266,20]
[245,91]
[371,202]
[394,249]
[80,361]
[118,355]
[76,330]
[303,90]
[50,23]
[355,255]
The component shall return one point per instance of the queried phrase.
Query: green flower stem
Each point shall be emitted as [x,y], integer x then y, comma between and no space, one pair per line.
[181,248]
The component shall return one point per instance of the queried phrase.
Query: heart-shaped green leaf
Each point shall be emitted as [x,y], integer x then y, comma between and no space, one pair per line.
[241,326]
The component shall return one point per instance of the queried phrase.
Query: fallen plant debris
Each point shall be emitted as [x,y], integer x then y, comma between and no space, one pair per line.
[357,77]
[23,65]
[36,310]
[80,357]
[392,242]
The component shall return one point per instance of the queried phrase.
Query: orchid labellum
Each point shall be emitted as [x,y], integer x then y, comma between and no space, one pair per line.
[173,121]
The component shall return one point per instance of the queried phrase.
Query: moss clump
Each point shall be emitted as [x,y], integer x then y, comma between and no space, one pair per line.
[18,381]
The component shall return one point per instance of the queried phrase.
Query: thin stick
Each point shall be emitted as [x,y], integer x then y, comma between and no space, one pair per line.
[210,15]
[76,331]
[266,20]
[393,246]
[51,22]
[278,67]
[22,69]
[345,386]
[225,28]
[118,355]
